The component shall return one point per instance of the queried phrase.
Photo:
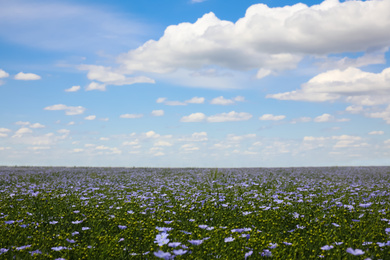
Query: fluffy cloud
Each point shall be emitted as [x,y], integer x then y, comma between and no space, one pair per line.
[194,117]
[36,125]
[223,117]
[223,101]
[266,38]
[131,116]
[272,117]
[22,131]
[69,110]
[194,100]
[328,118]
[229,117]
[376,133]
[107,76]
[157,113]
[341,141]
[73,89]
[162,143]
[91,117]
[27,76]
[196,137]
[189,147]
[3,74]
[352,84]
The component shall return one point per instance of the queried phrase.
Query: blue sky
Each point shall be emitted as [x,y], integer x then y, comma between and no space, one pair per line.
[194,83]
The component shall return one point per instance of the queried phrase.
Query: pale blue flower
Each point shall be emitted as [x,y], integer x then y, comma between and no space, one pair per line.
[164,229]
[77,221]
[266,253]
[196,242]
[174,244]
[35,252]
[75,233]
[326,247]
[161,254]
[355,251]
[121,227]
[161,239]
[9,222]
[229,239]
[272,245]
[203,226]
[179,252]
[248,254]
[70,240]
[23,247]
[59,248]
[85,228]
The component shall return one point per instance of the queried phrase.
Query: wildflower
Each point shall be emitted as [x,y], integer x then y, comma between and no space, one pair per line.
[203,226]
[248,254]
[35,252]
[85,228]
[266,253]
[229,239]
[75,233]
[179,252]
[120,240]
[9,222]
[77,221]
[366,205]
[130,212]
[53,222]
[209,228]
[76,211]
[174,244]
[168,222]
[70,240]
[164,229]
[23,247]
[336,225]
[387,230]
[161,239]
[161,254]
[326,247]
[196,242]
[3,250]
[121,227]
[338,243]
[272,246]
[287,243]
[246,213]
[355,251]
[58,248]
[186,232]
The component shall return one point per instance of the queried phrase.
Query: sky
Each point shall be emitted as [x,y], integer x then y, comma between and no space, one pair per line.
[194,83]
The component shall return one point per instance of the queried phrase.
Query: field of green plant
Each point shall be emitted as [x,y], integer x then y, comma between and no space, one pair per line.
[193,213]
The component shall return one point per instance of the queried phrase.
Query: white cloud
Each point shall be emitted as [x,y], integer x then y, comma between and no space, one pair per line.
[328,118]
[3,74]
[223,101]
[4,130]
[272,117]
[162,143]
[91,117]
[239,138]
[151,134]
[131,116]
[159,154]
[107,76]
[37,125]
[22,123]
[161,100]
[131,143]
[157,112]
[69,110]
[341,141]
[352,84]
[303,119]
[95,86]
[3,135]
[376,133]
[22,131]
[71,123]
[266,38]
[199,136]
[194,117]
[104,139]
[27,76]
[195,100]
[189,147]
[229,117]
[73,89]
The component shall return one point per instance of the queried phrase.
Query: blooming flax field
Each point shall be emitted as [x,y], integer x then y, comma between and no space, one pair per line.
[149,213]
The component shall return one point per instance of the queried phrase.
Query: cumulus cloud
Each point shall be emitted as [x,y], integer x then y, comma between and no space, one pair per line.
[266,38]
[27,76]
[194,100]
[194,117]
[3,74]
[189,147]
[341,141]
[162,143]
[22,131]
[131,116]
[376,133]
[272,117]
[91,117]
[328,118]
[223,101]
[157,113]
[73,89]
[69,110]
[107,76]
[4,130]
[36,125]
[195,137]
[222,117]
[229,117]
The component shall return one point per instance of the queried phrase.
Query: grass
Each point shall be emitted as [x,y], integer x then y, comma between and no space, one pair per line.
[130,213]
